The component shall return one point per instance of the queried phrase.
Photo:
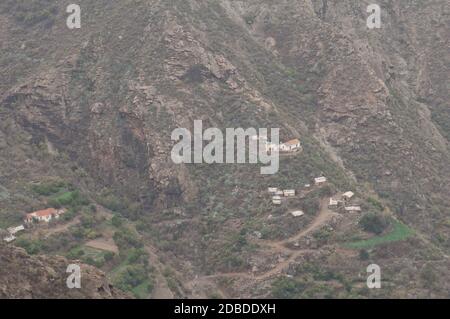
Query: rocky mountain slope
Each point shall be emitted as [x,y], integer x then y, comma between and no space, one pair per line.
[96,107]
[24,276]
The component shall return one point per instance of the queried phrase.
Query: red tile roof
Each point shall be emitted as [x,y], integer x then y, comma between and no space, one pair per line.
[42,213]
[292,142]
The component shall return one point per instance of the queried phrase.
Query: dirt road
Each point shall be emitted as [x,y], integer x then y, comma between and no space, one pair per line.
[103,244]
[59,228]
[278,247]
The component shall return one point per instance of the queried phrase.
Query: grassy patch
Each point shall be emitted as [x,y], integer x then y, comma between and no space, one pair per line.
[143,290]
[72,199]
[89,255]
[48,188]
[400,232]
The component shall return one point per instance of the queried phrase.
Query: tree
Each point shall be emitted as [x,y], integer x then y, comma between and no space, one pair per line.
[374,223]
[364,254]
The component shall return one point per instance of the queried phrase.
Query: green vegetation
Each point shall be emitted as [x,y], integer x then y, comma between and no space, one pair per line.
[119,204]
[400,232]
[126,238]
[364,254]
[133,274]
[323,235]
[375,203]
[91,256]
[73,199]
[61,194]
[374,223]
[130,277]
[48,188]
[286,288]
[111,202]
[32,247]
[142,290]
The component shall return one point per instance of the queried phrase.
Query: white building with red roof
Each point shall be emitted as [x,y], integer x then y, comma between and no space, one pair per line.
[45,215]
[291,146]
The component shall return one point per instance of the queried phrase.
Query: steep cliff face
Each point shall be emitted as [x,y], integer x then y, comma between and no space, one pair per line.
[372,90]
[370,106]
[25,276]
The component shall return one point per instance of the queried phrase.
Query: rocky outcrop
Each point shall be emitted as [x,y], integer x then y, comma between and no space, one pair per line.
[41,277]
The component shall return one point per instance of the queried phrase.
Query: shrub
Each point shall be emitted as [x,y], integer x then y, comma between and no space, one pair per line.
[125,238]
[32,247]
[116,221]
[364,254]
[48,188]
[374,223]
[69,199]
[109,256]
[375,203]
[285,288]
[112,202]
[131,277]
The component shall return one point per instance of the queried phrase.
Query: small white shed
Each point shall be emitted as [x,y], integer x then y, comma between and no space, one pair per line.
[289,193]
[348,195]
[297,213]
[320,180]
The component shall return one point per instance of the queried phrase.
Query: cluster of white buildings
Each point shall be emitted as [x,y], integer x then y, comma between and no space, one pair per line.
[278,194]
[291,146]
[344,201]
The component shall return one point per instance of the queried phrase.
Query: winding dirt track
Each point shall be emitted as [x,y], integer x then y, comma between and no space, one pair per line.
[279,247]
[103,244]
[60,228]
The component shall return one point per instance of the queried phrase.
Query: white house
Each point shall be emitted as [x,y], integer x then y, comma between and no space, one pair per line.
[14,230]
[348,195]
[333,203]
[45,215]
[279,193]
[291,146]
[307,185]
[353,209]
[297,213]
[289,193]
[320,180]
[273,190]
[276,200]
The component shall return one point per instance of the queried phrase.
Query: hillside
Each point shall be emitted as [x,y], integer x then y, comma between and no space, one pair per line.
[87,116]
[24,276]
